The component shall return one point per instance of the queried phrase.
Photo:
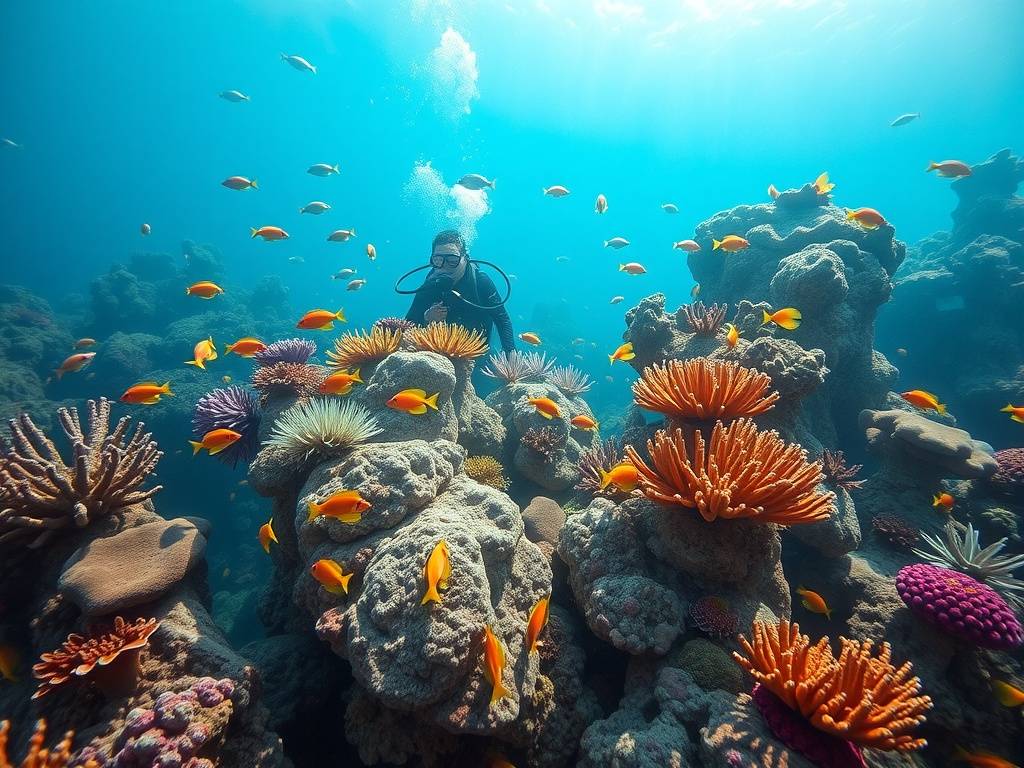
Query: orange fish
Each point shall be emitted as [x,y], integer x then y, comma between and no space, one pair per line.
[623,476]
[436,572]
[530,338]
[624,352]
[1006,694]
[267,535]
[822,185]
[245,347]
[601,205]
[943,500]
[331,575]
[981,759]
[732,336]
[868,218]
[414,401]
[546,407]
[73,363]
[346,506]
[633,268]
[215,441]
[1016,412]
[146,393]
[538,620]
[494,664]
[340,383]
[951,169]
[730,243]
[9,662]
[204,289]
[773,193]
[787,318]
[924,400]
[84,342]
[371,252]
[320,319]
[814,602]
[239,182]
[583,422]
[203,352]
[268,233]
[687,245]
[497,761]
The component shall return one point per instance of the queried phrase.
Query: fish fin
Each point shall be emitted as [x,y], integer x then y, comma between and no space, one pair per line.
[355,376]
[1017,418]
[196,363]
[327,327]
[766,317]
[499,692]
[59,373]
[340,314]
[313,511]
[151,400]
[187,291]
[1007,409]
[266,546]
[931,167]
[253,230]
[432,400]
[828,614]
[254,185]
[214,451]
[628,356]
[418,410]
[336,589]
[418,392]
[431,596]
[606,478]
[196,447]
[622,267]
[493,182]
[715,244]
[850,214]
[228,348]
[611,359]
[940,407]
[350,518]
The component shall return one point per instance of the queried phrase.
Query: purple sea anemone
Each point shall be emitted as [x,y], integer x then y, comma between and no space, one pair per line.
[234,408]
[713,616]
[394,323]
[286,351]
[960,605]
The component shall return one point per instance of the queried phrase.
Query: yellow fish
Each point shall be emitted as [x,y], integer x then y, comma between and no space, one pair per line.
[215,441]
[331,575]
[530,338]
[623,476]
[436,572]
[624,352]
[203,352]
[1006,694]
[814,602]
[267,535]
[1016,412]
[787,318]
[732,335]
[822,185]
[494,664]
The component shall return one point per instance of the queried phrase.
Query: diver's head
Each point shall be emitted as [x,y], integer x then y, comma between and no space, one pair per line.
[449,256]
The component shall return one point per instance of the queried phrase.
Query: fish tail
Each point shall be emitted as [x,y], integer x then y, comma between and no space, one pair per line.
[850,214]
[432,400]
[715,244]
[432,596]
[254,184]
[493,182]
[1007,409]
[611,359]
[336,168]
[196,363]
[284,56]
[253,230]
[355,376]
[606,478]
[499,692]
[959,753]
[940,407]
[165,389]
[1017,418]
[931,167]
[313,511]
[935,500]
[196,447]
[340,314]
[766,318]
[59,373]
[622,267]
[828,614]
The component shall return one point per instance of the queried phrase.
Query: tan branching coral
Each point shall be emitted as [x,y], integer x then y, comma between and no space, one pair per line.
[37,756]
[486,470]
[450,340]
[358,348]
[858,697]
[741,473]
[701,390]
[41,495]
[111,660]
[283,379]
[704,320]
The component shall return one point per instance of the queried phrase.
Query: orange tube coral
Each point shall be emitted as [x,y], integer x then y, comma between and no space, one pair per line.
[743,473]
[352,349]
[38,756]
[858,697]
[701,389]
[450,340]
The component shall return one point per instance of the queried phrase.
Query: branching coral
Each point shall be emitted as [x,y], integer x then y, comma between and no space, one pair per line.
[448,339]
[960,549]
[286,351]
[234,408]
[838,473]
[601,457]
[700,389]
[570,380]
[895,530]
[281,379]
[515,366]
[111,660]
[394,323]
[357,348]
[544,441]
[324,427]
[487,470]
[859,697]
[40,494]
[704,320]
[741,473]
[37,756]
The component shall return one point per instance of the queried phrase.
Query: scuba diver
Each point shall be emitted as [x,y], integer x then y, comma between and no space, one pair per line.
[457,291]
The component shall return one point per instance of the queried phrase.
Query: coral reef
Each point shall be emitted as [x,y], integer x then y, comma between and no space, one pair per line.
[703,390]
[358,348]
[600,457]
[486,470]
[965,553]
[233,408]
[1009,476]
[451,340]
[393,323]
[321,427]
[286,351]
[704,321]
[515,366]
[37,755]
[545,441]
[895,530]
[838,473]
[570,380]
[286,379]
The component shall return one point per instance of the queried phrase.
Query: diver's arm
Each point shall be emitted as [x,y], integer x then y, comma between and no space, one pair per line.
[489,297]
[420,304]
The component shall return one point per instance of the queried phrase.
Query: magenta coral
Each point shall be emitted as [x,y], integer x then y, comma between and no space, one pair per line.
[959,605]
[713,616]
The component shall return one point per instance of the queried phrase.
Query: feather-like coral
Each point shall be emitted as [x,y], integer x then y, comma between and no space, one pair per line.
[700,389]
[282,379]
[355,348]
[543,440]
[743,472]
[486,470]
[838,473]
[324,427]
[704,320]
[514,366]
[40,494]
[37,756]
[570,380]
[448,339]
[234,408]
[859,697]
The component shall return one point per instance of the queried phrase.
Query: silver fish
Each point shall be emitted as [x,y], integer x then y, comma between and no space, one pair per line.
[233,96]
[299,63]
[323,169]
[343,273]
[670,208]
[475,182]
[616,242]
[904,119]
[355,285]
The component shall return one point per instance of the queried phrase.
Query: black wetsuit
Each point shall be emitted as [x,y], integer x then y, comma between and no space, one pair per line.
[476,287]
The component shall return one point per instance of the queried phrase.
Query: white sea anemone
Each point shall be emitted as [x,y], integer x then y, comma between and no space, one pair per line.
[324,427]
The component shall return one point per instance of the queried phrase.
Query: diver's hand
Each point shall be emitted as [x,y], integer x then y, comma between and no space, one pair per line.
[436,313]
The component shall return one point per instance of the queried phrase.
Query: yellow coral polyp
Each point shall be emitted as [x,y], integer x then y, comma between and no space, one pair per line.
[487,470]
[450,340]
[358,348]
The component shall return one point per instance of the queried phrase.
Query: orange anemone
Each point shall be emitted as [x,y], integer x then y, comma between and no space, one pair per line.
[358,348]
[450,340]
[701,390]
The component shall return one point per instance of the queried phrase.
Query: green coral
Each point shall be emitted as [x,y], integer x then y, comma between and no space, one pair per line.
[709,665]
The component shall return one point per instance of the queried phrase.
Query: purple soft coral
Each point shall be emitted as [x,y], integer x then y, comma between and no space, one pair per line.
[286,351]
[234,408]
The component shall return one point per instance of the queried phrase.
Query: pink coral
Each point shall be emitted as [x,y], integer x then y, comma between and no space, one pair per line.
[1009,478]
[713,616]
[959,605]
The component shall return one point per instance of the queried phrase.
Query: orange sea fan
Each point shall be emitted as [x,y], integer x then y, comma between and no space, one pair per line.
[79,656]
[37,756]
[452,340]
[359,347]
[702,389]
[858,697]
[742,473]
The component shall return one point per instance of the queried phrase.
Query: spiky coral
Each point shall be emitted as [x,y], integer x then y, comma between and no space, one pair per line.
[704,320]
[895,530]
[515,366]
[37,756]
[283,379]
[487,470]
[701,390]
[859,697]
[113,655]
[234,408]
[448,339]
[286,351]
[960,549]
[741,473]
[601,457]
[356,348]
[394,323]
[41,495]
[324,427]
[544,441]
[570,380]
[838,473]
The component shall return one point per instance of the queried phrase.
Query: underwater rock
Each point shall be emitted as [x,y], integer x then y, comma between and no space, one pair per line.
[543,519]
[738,736]
[481,430]
[837,535]
[710,666]
[389,736]
[135,566]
